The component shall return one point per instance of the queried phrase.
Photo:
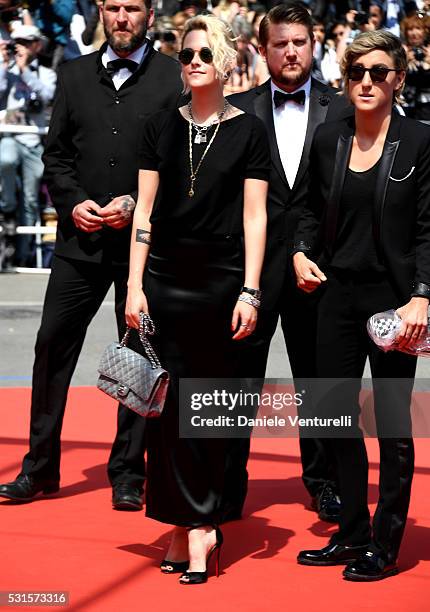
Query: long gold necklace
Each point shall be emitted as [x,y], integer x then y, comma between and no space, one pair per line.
[193,173]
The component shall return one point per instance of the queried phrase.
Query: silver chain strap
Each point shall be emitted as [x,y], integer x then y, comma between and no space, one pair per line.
[146,328]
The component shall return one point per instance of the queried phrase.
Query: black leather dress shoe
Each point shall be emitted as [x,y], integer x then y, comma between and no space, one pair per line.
[333,554]
[126,497]
[370,567]
[26,487]
[327,504]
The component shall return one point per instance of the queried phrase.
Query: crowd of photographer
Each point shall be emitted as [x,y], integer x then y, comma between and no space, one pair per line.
[36,36]
[27,89]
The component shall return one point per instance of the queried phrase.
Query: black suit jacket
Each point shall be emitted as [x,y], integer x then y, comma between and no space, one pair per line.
[284,205]
[401,206]
[91,150]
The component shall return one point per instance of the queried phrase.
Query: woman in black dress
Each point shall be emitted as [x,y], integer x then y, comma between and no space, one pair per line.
[364,239]
[202,198]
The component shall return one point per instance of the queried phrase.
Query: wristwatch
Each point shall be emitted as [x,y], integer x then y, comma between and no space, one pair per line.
[254,292]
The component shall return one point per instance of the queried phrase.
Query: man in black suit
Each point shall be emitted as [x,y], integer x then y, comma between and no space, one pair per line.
[292,105]
[91,167]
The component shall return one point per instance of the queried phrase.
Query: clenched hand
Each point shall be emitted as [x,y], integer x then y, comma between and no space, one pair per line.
[119,212]
[86,216]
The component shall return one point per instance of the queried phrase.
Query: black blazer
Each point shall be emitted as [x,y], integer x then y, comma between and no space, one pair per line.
[401,206]
[284,205]
[91,150]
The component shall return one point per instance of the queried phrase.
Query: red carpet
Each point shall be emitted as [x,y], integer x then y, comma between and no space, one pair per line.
[108,560]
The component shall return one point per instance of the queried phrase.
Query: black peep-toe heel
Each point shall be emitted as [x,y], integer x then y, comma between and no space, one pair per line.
[202,577]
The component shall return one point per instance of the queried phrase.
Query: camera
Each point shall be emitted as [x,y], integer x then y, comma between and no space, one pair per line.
[361,18]
[419,54]
[34,103]
[11,47]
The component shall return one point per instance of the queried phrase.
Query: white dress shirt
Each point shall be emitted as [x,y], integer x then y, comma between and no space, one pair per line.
[291,121]
[122,75]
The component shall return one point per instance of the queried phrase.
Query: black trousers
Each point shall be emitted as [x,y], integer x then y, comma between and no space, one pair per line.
[297,311]
[342,347]
[74,294]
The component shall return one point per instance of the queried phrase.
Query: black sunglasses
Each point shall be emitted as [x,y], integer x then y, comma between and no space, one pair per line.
[186,56]
[378,74]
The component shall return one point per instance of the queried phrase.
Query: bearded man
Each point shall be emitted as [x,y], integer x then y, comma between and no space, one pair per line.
[91,168]
[291,104]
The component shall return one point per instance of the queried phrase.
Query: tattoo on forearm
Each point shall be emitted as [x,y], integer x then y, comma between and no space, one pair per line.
[143,236]
[127,207]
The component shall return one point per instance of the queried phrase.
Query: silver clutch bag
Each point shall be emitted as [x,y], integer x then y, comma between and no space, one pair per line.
[138,382]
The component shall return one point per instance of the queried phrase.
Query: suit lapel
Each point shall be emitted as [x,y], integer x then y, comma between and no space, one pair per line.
[101,70]
[263,110]
[318,108]
[343,153]
[389,151]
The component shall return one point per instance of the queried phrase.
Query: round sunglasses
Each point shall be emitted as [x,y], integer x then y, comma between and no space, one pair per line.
[378,74]
[186,56]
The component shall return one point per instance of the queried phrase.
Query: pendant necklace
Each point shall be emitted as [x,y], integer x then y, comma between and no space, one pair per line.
[201,137]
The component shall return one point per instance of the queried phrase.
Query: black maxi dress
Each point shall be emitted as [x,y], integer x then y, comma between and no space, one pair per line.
[193,278]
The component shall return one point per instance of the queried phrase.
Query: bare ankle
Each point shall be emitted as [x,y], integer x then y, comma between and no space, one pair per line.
[200,541]
[178,549]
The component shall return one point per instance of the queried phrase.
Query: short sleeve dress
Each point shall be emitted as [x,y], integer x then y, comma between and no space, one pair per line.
[193,279]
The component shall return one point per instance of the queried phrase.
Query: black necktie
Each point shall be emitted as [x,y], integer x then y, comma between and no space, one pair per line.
[117,64]
[280,98]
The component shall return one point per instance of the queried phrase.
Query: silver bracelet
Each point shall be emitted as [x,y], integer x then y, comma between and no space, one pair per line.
[249,299]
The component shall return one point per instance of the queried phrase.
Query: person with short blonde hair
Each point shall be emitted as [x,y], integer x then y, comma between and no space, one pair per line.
[222,41]
[364,238]
[199,229]
[375,40]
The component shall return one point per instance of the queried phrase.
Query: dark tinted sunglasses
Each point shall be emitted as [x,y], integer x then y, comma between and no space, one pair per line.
[186,56]
[378,74]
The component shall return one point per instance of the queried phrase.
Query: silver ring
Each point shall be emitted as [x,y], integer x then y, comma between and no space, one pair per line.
[243,325]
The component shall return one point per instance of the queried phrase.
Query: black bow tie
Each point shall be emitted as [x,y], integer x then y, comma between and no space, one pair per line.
[117,64]
[280,98]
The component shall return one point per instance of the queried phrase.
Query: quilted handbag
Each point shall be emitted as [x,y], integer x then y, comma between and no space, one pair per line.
[138,382]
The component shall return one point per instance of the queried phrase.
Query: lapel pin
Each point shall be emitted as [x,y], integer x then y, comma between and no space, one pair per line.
[324,100]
